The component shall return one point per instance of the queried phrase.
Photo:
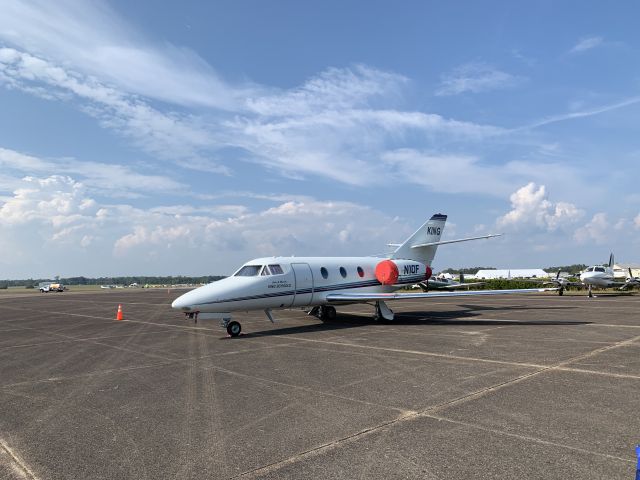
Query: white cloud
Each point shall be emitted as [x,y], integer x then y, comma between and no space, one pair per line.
[53,222]
[344,124]
[586,43]
[597,230]
[332,90]
[531,209]
[93,38]
[475,77]
[57,201]
[167,135]
[581,114]
[102,177]
[287,229]
[636,221]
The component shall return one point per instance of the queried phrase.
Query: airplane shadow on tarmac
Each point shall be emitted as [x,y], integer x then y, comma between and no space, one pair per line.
[466,317]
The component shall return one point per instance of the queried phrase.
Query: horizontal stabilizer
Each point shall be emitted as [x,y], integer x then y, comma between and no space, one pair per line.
[431,244]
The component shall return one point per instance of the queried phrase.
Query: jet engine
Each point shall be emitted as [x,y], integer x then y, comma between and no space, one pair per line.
[392,272]
[387,272]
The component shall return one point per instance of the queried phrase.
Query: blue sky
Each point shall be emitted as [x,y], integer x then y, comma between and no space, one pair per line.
[190,138]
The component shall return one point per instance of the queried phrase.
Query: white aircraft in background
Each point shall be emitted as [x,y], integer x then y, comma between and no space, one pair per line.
[322,282]
[601,276]
[445,282]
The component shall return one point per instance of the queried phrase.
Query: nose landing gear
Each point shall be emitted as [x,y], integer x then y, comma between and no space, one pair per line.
[234,328]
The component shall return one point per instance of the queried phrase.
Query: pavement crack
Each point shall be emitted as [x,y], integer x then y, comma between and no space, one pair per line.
[17,464]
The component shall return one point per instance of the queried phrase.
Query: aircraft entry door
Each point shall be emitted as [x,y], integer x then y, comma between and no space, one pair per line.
[304,284]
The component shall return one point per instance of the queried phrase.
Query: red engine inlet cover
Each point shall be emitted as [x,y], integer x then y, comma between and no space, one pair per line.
[429,272]
[387,272]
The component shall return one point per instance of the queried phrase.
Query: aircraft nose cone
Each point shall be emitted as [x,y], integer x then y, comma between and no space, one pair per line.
[180,303]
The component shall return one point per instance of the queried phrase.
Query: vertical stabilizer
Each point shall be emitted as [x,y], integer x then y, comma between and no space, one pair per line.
[611,260]
[428,233]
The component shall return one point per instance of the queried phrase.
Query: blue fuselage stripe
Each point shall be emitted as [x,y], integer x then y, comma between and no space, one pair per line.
[327,288]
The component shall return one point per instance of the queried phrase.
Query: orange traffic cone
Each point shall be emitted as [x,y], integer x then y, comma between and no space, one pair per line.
[119,315]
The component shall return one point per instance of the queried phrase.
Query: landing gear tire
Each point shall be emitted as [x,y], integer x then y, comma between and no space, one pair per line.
[329,313]
[234,329]
[326,313]
[561,291]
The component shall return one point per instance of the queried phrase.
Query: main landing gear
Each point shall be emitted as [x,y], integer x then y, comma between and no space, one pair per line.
[383,312]
[326,313]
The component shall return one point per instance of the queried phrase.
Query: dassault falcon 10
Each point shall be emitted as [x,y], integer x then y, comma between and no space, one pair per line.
[319,283]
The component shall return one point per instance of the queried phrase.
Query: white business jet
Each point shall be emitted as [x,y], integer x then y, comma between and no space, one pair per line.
[319,283]
[601,276]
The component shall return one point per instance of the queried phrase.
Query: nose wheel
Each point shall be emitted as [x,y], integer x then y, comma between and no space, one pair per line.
[234,328]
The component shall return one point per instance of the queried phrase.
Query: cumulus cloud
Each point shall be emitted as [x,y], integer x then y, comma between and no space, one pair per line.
[531,209]
[586,43]
[57,214]
[597,230]
[475,77]
[55,208]
[287,229]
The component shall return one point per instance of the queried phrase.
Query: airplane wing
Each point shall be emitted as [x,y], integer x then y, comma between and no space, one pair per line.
[565,284]
[365,297]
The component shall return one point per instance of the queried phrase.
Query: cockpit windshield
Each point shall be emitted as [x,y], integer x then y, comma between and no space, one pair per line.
[598,269]
[248,271]
[259,270]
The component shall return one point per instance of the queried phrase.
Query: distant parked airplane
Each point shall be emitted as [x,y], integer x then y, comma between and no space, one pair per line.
[442,282]
[602,276]
[322,282]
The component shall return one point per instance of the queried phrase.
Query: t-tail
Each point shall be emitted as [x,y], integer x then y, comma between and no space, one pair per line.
[422,245]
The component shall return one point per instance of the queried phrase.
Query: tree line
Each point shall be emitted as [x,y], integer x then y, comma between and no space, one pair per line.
[125,280]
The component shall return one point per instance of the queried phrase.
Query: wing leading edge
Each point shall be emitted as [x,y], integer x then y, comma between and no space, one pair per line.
[364,297]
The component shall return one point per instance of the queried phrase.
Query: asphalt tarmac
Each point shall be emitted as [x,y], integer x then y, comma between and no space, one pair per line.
[506,387]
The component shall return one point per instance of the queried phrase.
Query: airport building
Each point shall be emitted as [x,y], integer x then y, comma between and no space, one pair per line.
[510,273]
[621,270]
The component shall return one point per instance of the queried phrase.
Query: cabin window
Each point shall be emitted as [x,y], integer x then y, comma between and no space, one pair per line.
[343,272]
[324,273]
[360,272]
[248,271]
[265,271]
[276,269]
